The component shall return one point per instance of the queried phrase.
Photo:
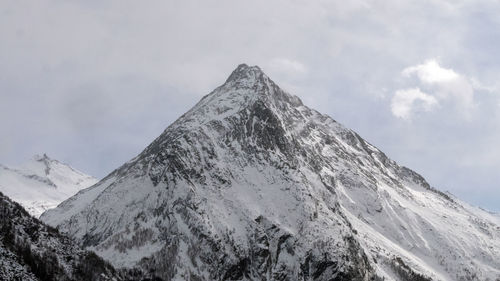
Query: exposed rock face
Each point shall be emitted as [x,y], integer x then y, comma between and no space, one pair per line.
[250,184]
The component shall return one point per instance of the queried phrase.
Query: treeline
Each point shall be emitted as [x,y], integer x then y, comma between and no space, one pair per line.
[49,255]
[405,272]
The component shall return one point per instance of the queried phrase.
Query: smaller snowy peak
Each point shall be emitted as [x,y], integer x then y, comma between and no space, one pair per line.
[42,183]
[42,158]
[40,165]
[44,161]
[54,170]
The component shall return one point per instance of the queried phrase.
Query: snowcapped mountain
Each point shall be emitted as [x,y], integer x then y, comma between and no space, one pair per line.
[250,184]
[42,183]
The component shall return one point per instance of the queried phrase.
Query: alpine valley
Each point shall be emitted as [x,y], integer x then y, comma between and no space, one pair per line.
[251,184]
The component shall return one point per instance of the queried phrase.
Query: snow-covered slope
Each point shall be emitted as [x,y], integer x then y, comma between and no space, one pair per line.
[42,183]
[251,184]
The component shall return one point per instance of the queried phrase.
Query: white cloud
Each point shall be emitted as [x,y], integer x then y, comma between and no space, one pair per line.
[431,72]
[444,85]
[406,101]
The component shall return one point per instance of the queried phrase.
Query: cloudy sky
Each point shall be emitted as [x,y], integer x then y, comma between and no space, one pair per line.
[91,83]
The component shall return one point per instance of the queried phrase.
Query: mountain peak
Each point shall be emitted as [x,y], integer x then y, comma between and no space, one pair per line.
[252,81]
[38,157]
[42,183]
[251,78]
[245,72]
[45,160]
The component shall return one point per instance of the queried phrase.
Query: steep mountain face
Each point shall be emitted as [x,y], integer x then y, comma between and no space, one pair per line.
[42,183]
[250,184]
[31,250]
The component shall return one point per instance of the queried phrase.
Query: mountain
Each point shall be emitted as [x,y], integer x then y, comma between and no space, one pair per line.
[251,184]
[42,183]
[31,250]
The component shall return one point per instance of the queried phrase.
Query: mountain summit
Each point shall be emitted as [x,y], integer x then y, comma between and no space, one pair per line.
[42,183]
[250,184]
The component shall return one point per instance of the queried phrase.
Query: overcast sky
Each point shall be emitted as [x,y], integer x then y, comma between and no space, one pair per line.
[91,83]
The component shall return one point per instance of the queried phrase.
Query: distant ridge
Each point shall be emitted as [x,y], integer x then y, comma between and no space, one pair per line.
[42,183]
